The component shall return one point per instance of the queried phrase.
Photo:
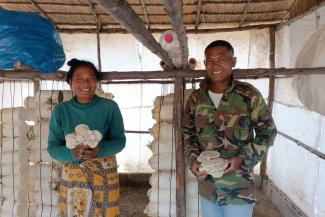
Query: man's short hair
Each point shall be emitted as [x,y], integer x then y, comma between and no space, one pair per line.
[220,43]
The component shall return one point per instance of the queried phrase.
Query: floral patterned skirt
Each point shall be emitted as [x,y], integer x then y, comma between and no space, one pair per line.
[90,189]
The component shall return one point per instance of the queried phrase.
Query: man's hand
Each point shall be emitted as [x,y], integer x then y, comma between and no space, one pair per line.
[200,175]
[82,152]
[234,164]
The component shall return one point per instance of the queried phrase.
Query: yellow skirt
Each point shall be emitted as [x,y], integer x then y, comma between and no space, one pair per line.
[90,189]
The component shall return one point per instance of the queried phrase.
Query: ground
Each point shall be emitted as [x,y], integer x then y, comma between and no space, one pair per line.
[133,201]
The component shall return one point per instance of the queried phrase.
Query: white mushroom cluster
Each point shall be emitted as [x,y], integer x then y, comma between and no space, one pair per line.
[212,163]
[83,135]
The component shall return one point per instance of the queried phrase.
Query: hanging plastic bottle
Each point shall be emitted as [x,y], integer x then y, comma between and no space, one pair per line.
[170,43]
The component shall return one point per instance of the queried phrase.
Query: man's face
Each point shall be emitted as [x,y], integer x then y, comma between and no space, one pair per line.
[219,62]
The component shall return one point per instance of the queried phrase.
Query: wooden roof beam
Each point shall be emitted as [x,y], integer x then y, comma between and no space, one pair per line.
[96,17]
[289,10]
[122,12]
[191,31]
[145,12]
[113,75]
[245,13]
[40,10]
[175,12]
[98,27]
[198,14]
[305,13]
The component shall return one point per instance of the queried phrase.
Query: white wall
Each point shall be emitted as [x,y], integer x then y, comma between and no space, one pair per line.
[122,52]
[297,172]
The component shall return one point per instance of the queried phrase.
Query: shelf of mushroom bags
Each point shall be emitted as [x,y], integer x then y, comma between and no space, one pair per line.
[30,177]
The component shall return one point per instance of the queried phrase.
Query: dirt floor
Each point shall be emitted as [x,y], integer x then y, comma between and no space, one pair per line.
[133,201]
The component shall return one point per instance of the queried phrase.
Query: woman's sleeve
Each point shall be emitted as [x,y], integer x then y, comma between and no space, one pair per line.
[114,140]
[56,141]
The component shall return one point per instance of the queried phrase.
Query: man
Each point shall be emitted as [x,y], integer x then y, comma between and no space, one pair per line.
[232,118]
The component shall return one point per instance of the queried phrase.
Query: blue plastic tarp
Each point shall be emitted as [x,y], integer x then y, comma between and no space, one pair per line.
[30,39]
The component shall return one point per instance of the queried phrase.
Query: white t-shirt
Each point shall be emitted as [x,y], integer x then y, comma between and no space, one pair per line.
[215,97]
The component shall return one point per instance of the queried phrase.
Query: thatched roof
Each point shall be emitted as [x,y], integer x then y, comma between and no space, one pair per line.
[197,14]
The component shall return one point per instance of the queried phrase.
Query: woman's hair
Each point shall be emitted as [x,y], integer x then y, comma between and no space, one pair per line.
[75,63]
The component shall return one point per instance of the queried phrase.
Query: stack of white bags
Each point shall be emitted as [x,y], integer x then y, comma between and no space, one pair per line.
[30,177]
[162,194]
[14,158]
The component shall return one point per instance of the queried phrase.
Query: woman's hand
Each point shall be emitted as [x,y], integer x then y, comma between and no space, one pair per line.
[89,153]
[76,151]
[82,152]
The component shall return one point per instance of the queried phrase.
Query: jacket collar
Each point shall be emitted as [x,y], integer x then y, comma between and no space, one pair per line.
[204,85]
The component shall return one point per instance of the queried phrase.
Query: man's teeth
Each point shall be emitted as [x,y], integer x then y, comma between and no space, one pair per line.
[85,90]
[217,73]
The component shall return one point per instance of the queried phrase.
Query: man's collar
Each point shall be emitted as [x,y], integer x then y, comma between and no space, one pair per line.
[204,85]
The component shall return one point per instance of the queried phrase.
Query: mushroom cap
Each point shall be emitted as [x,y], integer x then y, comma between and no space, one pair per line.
[98,135]
[81,129]
[91,143]
[215,162]
[218,174]
[210,154]
[70,141]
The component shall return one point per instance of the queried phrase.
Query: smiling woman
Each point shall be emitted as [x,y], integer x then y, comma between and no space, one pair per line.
[89,185]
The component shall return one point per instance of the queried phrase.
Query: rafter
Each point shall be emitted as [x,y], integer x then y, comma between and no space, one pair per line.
[159,15]
[309,11]
[199,31]
[245,12]
[198,14]
[122,12]
[40,9]
[98,28]
[145,12]
[175,12]
[92,9]
[289,10]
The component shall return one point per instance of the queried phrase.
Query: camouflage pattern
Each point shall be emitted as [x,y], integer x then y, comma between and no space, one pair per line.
[230,130]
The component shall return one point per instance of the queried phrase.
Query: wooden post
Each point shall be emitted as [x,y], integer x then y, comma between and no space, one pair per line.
[37,86]
[113,75]
[263,166]
[180,159]
[98,50]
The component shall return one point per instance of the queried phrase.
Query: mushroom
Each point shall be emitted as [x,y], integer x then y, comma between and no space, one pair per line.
[83,135]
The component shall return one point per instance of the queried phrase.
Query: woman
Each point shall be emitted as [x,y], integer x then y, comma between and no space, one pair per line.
[89,185]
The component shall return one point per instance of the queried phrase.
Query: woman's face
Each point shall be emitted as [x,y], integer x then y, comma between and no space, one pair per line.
[83,84]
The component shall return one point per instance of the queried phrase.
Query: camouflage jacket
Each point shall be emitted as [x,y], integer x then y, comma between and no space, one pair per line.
[241,126]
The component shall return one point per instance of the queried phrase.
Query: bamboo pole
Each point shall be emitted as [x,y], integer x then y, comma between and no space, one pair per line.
[198,14]
[238,74]
[160,30]
[301,15]
[306,147]
[263,165]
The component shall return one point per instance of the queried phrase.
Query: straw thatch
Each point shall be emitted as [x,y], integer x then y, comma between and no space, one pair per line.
[197,14]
